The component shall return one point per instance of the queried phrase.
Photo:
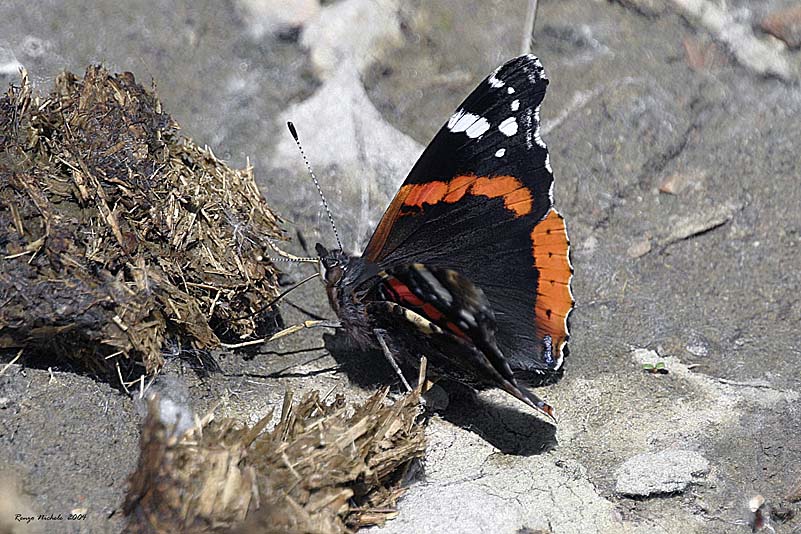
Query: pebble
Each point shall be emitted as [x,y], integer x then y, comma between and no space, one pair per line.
[785,25]
[668,471]
[589,245]
[349,35]
[697,348]
[639,248]
[702,55]
[678,182]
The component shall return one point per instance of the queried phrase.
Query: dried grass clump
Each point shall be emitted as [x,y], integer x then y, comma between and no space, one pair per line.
[325,468]
[117,234]
[198,481]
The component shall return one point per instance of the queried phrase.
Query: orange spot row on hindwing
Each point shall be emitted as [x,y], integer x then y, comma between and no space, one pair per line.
[550,248]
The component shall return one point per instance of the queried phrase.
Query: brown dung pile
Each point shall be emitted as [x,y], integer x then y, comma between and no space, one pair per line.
[325,468]
[117,235]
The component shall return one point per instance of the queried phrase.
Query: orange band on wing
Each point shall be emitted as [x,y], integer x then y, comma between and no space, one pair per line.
[429,193]
[516,198]
[550,248]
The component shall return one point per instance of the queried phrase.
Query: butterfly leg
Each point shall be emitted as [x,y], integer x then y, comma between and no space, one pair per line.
[305,324]
[285,332]
[391,359]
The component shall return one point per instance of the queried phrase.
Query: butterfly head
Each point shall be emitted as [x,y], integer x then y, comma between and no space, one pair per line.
[333,264]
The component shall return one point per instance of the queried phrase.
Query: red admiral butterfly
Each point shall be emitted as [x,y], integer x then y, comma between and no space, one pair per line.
[470,264]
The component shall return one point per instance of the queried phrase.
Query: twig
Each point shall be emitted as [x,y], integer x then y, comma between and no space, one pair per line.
[528,32]
[243,344]
[12,362]
[748,384]
[421,376]
[119,374]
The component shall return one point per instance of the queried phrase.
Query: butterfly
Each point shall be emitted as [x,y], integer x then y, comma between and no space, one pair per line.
[470,264]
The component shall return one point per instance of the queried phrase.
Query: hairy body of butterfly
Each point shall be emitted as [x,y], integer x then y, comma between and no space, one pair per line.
[470,265]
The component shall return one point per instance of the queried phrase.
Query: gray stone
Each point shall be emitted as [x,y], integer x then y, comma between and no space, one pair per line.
[668,471]
[264,17]
[470,487]
[360,159]
[350,35]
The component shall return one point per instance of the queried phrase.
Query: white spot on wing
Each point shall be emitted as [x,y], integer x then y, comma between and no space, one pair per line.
[495,81]
[508,127]
[510,90]
[537,138]
[478,128]
[500,153]
[454,118]
[539,72]
[472,125]
[515,105]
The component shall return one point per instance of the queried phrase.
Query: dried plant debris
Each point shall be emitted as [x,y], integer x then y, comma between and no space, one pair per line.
[117,235]
[324,468]
[328,468]
[195,481]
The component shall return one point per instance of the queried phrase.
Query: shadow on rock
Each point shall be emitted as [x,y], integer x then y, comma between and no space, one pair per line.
[367,369]
[59,355]
[512,430]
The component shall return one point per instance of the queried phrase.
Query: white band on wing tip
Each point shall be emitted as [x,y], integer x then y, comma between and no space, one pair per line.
[472,125]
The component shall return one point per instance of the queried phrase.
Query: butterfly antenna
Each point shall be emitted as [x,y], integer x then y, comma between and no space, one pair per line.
[276,299]
[286,256]
[294,133]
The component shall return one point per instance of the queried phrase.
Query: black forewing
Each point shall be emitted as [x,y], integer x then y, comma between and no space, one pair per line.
[495,132]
